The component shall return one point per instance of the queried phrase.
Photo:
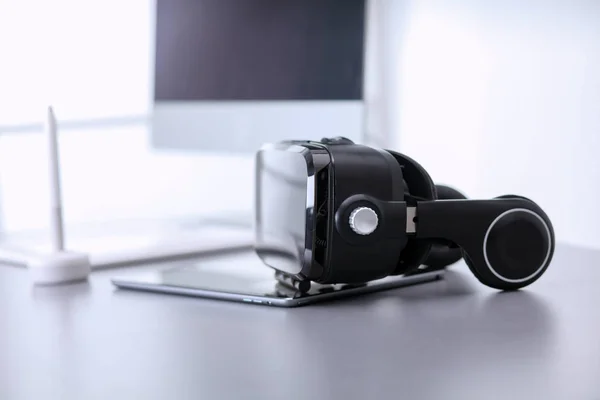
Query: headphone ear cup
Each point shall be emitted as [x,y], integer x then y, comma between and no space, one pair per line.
[444,253]
[515,285]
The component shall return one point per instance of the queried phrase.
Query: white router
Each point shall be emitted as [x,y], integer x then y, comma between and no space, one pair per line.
[59,265]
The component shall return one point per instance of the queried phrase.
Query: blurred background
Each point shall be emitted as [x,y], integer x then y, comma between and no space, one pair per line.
[490,97]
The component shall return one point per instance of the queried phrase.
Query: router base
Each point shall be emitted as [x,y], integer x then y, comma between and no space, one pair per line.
[59,267]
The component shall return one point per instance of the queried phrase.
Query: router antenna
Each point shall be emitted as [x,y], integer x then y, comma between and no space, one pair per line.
[59,266]
[56,214]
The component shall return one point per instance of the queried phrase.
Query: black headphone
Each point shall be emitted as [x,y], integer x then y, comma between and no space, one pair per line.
[338,212]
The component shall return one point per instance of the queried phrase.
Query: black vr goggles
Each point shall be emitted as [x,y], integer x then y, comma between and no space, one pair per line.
[338,212]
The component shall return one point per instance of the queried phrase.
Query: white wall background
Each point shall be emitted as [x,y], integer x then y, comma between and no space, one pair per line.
[90,59]
[94,60]
[504,97]
[492,97]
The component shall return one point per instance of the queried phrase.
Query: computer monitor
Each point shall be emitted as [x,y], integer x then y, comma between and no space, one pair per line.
[231,75]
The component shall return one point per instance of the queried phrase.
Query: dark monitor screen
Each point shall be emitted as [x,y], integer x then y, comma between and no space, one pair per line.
[259,50]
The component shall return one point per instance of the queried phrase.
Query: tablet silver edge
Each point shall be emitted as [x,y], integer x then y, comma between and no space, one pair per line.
[280,302]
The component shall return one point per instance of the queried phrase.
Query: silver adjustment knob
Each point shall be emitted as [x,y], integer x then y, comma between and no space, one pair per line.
[363,220]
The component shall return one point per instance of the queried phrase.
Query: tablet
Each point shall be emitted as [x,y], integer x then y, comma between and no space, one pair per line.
[244,278]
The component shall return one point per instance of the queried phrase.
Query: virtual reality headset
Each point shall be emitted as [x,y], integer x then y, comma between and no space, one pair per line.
[333,211]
